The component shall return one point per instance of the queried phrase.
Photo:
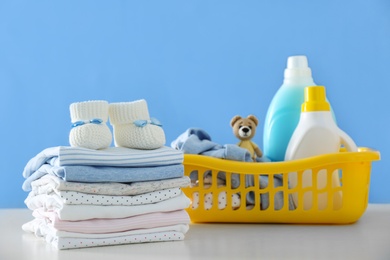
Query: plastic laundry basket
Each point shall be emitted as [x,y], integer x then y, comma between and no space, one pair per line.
[213,201]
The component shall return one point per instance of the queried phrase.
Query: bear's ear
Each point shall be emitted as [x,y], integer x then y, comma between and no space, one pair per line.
[254,119]
[234,120]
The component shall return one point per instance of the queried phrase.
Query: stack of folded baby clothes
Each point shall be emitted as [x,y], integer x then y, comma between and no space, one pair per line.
[89,194]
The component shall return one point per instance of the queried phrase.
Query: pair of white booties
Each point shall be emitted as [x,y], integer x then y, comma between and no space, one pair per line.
[132,126]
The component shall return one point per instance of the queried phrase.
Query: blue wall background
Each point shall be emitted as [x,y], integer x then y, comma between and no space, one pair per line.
[197,63]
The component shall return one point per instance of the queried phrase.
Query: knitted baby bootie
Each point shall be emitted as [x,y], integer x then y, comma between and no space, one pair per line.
[89,125]
[133,128]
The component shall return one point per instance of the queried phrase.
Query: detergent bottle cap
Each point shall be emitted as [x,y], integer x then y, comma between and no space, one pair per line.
[315,99]
[297,66]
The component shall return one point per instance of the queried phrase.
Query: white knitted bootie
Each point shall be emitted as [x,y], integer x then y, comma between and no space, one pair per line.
[89,125]
[133,128]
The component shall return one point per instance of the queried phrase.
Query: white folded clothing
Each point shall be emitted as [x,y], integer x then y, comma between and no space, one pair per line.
[59,198]
[69,243]
[50,183]
[67,240]
[83,212]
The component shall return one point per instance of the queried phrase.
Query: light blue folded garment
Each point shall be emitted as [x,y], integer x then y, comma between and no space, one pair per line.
[112,156]
[197,141]
[106,174]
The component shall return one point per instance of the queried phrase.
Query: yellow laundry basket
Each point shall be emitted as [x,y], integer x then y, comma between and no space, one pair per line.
[353,169]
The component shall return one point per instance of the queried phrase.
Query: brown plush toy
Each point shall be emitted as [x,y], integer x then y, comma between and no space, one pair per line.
[245,129]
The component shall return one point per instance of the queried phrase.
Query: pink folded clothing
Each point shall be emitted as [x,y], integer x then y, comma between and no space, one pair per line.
[102,226]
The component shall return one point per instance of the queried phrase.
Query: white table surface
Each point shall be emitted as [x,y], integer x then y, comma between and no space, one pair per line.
[369,238]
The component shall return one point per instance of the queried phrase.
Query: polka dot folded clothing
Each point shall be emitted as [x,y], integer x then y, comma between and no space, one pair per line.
[82,197]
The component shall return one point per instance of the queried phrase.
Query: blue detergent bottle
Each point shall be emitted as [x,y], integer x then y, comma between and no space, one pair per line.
[284,111]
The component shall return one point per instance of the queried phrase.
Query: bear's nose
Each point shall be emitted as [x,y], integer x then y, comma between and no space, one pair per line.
[245,130]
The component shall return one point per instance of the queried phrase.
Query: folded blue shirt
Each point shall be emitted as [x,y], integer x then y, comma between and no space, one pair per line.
[106,174]
[112,156]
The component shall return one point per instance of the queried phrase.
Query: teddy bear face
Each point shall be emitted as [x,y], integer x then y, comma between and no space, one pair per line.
[244,128]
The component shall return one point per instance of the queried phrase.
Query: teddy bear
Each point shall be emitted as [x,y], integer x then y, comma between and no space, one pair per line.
[245,129]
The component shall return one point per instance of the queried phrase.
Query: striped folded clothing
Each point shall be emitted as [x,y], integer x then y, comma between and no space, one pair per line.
[99,174]
[112,156]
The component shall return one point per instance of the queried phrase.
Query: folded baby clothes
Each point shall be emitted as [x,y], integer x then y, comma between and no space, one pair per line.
[69,243]
[77,226]
[112,156]
[70,240]
[42,229]
[198,141]
[100,174]
[83,212]
[58,199]
[103,226]
[50,183]
[83,197]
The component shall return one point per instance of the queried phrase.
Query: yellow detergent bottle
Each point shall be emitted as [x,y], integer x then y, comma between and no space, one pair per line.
[316,134]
